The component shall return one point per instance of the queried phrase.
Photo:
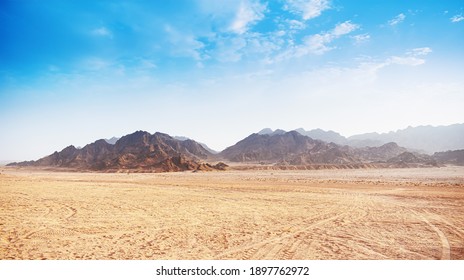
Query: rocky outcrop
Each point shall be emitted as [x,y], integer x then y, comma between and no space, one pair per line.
[137,151]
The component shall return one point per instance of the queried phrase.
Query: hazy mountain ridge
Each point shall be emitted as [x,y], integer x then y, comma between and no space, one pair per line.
[429,139]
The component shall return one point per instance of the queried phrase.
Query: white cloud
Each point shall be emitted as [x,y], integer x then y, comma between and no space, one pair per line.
[361,38]
[308,8]
[184,45]
[229,49]
[413,57]
[457,18]
[405,60]
[102,32]
[397,20]
[420,51]
[248,13]
[295,24]
[147,64]
[343,28]
[317,44]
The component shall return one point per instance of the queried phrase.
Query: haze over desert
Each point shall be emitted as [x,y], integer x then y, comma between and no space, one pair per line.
[413,213]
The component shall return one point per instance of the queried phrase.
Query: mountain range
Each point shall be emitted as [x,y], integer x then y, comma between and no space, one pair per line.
[427,139]
[140,150]
[293,148]
[160,152]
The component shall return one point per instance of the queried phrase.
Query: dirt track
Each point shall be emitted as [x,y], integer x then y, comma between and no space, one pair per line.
[333,214]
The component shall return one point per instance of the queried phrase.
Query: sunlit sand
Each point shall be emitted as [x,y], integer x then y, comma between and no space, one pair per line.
[324,214]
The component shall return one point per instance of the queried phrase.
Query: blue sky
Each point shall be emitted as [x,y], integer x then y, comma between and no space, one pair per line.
[72,72]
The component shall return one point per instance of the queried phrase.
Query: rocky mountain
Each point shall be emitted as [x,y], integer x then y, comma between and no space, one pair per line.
[137,151]
[183,138]
[268,131]
[450,157]
[429,139]
[408,159]
[160,152]
[379,154]
[326,136]
[268,148]
[292,148]
[112,140]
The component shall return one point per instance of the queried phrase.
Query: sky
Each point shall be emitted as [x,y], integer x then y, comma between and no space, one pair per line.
[72,72]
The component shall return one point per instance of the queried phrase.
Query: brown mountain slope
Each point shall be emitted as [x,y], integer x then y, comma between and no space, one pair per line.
[292,148]
[137,151]
[269,148]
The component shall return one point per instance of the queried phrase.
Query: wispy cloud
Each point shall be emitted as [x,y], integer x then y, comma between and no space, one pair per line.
[102,32]
[361,38]
[295,24]
[248,13]
[397,20]
[318,43]
[229,49]
[420,51]
[95,64]
[183,44]
[308,9]
[343,28]
[457,18]
[413,57]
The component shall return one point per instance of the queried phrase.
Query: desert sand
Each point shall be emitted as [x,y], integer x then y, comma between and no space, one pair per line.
[319,214]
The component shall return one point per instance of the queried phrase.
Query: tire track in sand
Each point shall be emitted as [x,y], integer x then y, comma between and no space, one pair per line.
[273,245]
[445,252]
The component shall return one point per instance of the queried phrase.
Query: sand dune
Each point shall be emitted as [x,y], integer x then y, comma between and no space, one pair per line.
[324,214]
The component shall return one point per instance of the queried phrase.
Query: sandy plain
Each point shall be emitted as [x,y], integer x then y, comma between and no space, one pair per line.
[319,214]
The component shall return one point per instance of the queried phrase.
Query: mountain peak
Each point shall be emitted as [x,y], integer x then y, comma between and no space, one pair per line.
[268,131]
[139,150]
[265,131]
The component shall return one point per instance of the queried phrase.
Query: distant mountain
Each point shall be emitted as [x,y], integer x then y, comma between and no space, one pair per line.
[429,139]
[326,136]
[137,151]
[407,158]
[268,131]
[450,157]
[112,140]
[292,148]
[183,138]
[160,152]
[379,154]
[268,147]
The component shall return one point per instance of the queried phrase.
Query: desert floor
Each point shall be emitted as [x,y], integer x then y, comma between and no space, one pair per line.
[322,214]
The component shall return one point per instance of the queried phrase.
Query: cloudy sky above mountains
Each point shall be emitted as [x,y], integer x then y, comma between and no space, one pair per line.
[72,72]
